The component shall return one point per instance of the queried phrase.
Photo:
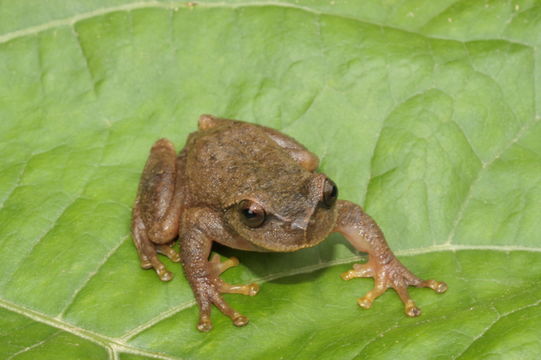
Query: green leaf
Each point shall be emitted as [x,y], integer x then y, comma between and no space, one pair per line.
[426,113]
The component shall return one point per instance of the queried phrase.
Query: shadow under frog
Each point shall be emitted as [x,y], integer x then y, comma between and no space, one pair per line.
[305,261]
[250,187]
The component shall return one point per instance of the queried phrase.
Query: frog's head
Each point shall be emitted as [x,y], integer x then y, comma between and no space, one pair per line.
[296,214]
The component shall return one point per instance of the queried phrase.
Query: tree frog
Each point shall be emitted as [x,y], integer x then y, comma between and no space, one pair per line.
[252,188]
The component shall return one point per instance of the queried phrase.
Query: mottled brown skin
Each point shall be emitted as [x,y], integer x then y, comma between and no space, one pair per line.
[198,196]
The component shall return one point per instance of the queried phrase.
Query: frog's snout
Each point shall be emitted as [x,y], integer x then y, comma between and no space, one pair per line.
[300,224]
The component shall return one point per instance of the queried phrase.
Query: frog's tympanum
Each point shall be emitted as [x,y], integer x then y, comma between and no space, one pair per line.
[253,188]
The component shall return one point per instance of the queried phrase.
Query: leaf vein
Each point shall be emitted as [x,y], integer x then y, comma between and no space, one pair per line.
[86,61]
[33,346]
[8,277]
[176,5]
[17,184]
[521,133]
[90,276]
[98,339]
[492,324]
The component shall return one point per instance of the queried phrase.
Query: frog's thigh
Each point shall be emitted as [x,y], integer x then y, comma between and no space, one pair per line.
[158,198]
[297,151]
[156,211]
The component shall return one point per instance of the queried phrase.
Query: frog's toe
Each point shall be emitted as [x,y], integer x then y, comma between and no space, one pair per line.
[164,274]
[411,309]
[249,289]
[205,325]
[252,289]
[168,251]
[391,275]
[239,320]
[217,266]
[146,264]
[359,270]
[366,301]
[438,286]
[153,262]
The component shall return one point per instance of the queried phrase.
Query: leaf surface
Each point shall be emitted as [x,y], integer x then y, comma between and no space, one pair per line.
[426,114]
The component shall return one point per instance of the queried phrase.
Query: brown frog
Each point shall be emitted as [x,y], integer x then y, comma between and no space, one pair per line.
[253,188]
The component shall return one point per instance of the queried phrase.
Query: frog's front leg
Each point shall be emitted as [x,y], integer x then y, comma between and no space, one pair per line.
[157,208]
[365,235]
[200,226]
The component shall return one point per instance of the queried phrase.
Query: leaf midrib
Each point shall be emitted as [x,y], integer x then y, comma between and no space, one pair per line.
[175,6]
[111,344]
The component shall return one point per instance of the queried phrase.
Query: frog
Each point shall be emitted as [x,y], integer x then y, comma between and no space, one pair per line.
[250,187]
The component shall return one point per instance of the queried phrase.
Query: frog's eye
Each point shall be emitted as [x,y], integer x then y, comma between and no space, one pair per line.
[251,213]
[330,193]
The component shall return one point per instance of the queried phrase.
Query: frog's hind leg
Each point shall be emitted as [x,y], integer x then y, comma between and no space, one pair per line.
[296,150]
[157,209]
[148,251]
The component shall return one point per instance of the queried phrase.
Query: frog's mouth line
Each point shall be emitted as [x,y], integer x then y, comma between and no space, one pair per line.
[306,245]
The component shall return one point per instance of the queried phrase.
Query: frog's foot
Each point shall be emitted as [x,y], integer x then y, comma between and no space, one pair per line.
[391,275]
[217,267]
[168,251]
[213,297]
[209,292]
[149,259]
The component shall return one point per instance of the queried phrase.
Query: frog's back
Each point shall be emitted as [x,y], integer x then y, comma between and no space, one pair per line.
[233,158]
